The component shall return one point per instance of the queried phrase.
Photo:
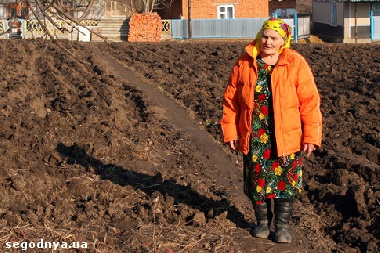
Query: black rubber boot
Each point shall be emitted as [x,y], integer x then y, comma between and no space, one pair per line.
[283,209]
[262,213]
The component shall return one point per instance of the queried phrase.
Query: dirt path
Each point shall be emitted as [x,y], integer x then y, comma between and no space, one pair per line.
[223,167]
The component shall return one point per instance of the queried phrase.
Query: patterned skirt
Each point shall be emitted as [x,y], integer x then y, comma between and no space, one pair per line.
[265,174]
[271,178]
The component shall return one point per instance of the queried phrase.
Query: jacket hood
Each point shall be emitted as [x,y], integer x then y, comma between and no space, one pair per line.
[249,49]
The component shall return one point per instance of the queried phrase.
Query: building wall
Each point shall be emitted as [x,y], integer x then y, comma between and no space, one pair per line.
[352,20]
[283,4]
[322,19]
[362,14]
[357,20]
[322,12]
[243,8]
[115,9]
[174,12]
[209,8]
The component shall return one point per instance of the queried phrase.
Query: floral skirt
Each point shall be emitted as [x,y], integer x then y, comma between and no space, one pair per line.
[265,174]
[272,178]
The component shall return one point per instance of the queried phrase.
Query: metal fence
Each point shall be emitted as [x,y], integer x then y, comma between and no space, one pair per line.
[33,29]
[2,26]
[178,29]
[303,28]
[376,28]
[232,28]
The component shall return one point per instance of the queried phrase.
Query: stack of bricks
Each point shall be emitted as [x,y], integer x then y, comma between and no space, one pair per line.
[145,27]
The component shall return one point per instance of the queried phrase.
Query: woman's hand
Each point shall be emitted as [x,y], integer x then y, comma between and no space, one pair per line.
[308,148]
[233,145]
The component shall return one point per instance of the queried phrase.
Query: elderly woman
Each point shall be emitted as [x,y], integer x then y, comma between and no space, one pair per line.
[271,113]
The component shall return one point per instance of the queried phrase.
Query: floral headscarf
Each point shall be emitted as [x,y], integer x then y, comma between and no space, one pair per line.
[277,25]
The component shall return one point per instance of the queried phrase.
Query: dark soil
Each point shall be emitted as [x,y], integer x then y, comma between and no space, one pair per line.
[118,145]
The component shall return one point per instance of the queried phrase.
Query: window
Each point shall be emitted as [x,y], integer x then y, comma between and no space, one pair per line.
[21,10]
[226,11]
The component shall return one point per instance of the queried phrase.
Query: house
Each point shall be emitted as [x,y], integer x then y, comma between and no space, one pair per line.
[344,20]
[106,17]
[214,9]
[282,6]
[110,18]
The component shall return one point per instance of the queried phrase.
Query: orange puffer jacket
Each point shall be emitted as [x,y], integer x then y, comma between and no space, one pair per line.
[296,102]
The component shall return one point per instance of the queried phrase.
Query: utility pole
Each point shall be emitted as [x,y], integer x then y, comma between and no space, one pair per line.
[189,19]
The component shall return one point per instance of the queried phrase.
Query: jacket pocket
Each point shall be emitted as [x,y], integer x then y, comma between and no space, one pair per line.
[291,120]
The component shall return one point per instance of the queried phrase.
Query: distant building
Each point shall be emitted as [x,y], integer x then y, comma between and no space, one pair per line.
[344,20]
[284,5]
[212,9]
[106,17]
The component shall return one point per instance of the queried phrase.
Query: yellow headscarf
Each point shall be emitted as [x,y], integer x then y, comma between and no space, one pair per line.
[277,25]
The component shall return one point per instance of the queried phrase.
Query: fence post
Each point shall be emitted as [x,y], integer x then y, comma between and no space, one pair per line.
[371,25]
[189,29]
[296,27]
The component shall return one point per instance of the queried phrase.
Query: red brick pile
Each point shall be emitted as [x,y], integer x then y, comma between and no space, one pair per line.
[145,27]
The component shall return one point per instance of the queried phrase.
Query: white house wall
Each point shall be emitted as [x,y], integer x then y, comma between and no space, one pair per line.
[362,13]
[361,23]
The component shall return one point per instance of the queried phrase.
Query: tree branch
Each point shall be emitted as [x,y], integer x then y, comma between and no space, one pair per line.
[77,22]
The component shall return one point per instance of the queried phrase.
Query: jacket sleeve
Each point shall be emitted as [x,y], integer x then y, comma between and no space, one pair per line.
[309,99]
[231,108]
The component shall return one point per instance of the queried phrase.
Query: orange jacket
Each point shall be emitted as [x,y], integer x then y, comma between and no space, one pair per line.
[296,102]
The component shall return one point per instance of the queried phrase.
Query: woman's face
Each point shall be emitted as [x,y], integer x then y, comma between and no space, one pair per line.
[270,42]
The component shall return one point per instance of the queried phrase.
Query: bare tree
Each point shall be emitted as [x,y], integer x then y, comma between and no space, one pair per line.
[146,6]
[74,12]
[57,12]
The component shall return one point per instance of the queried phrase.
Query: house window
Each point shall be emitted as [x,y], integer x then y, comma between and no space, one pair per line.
[226,11]
[333,14]
[19,9]
[116,9]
